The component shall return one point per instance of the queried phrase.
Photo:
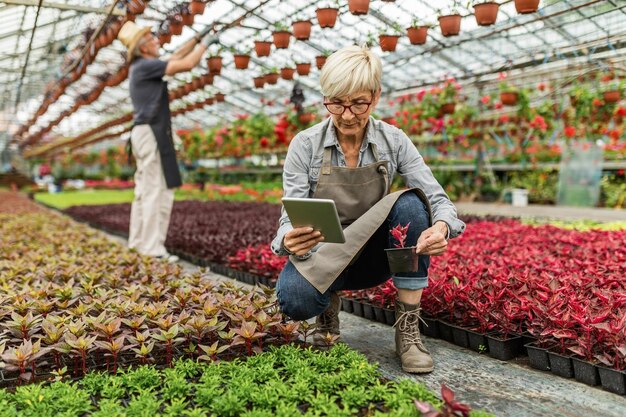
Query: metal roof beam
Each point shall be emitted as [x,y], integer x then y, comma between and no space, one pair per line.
[54,22]
[64,6]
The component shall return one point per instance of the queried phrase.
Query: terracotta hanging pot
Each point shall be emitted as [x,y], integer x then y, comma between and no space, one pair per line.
[417,35]
[320,60]
[219,97]
[165,38]
[359,7]
[259,81]
[450,25]
[197,83]
[210,101]
[271,78]
[136,6]
[526,6]
[262,48]
[281,39]
[388,43]
[215,65]
[327,16]
[287,73]
[303,68]
[187,17]
[188,88]
[302,29]
[508,98]
[241,61]
[305,118]
[197,7]
[208,79]
[176,26]
[486,13]
[612,96]
[447,108]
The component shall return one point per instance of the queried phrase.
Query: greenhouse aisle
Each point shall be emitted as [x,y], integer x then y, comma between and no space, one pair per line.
[543,211]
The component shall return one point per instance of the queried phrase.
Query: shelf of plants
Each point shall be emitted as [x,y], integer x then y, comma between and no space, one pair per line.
[553,293]
[104,331]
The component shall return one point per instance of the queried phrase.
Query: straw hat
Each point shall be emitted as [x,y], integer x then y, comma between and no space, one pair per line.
[130,35]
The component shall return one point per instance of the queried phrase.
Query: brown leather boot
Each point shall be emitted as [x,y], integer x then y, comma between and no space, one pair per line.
[414,356]
[328,322]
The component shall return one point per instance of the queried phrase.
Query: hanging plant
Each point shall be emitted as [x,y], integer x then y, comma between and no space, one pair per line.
[359,7]
[262,48]
[327,16]
[303,68]
[259,81]
[281,36]
[176,25]
[450,24]
[612,91]
[526,6]
[186,15]
[136,6]
[242,61]
[214,62]
[302,29]
[287,73]
[320,60]
[388,39]
[272,76]
[197,7]
[486,12]
[220,98]
[417,33]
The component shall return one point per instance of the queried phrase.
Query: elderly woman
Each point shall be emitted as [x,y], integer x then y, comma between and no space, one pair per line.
[352,159]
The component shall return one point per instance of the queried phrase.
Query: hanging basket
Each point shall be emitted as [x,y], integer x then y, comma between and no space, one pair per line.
[197,7]
[259,82]
[242,61]
[176,26]
[281,39]
[508,98]
[303,68]
[526,6]
[327,16]
[287,73]
[215,65]
[208,79]
[447,108]
[486,13]
[612,96]
[388,43]
[271,78]
[305,118]
[450,25]
[262,48]
[320,60]
[136,6]
[417,35]
[187,17]
[302,29]
[359,7]
[220,97]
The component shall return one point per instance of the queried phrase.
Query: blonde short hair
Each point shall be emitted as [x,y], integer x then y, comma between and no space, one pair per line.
[351,70]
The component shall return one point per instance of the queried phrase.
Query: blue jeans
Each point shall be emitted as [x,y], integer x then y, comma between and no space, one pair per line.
[299,300]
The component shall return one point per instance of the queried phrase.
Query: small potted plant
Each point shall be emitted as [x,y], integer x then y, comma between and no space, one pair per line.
[508,93]
[612,91]
[401,258]
[388,38]
[486,12]
[359,7]
[214,62]
[286,73]
[259,81]
[271,77]
[526,6]
[327,14]
[262,48]
[320,60]
[176,25]
[448,96]
[303,68]
[281,36]
[302,28]
[242,58]
[186,15]
[450,20]
[197,7]
[417,32]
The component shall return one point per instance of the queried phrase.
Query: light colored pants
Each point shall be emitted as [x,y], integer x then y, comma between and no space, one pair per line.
[151,208]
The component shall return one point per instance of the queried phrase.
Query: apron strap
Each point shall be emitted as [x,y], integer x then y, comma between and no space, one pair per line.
[327,160]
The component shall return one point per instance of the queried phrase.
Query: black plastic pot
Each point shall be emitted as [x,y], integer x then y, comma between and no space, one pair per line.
[445,331]
[561,365]
[459,336]
[357,308]
[504,349]
[379,314]
[402,259]
[527,339]
[390,316]
[538,357]
[586,372]
[475,340]
[430,327]
[368,311]
[613,380]
[346,305]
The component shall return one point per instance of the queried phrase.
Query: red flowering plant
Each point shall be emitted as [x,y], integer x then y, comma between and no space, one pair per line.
[399,234]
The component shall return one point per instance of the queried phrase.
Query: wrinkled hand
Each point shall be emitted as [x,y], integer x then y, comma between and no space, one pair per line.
[301,240]
[433,241]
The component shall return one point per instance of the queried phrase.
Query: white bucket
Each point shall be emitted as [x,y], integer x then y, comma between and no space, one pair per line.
[519,197]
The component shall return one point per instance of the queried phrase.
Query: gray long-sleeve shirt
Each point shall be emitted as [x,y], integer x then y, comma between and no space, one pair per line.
[304,159]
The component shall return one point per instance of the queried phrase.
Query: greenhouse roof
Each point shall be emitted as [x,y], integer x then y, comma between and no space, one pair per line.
[40,42]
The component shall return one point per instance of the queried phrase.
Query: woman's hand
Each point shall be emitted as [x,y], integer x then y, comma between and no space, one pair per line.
[433,241]
[301,240]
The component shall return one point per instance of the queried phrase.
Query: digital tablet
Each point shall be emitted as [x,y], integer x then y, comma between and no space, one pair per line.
[318,213]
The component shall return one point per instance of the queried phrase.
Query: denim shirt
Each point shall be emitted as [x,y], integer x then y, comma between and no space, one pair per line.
[304,159]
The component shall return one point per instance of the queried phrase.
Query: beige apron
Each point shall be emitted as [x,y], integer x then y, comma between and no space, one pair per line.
[363,204]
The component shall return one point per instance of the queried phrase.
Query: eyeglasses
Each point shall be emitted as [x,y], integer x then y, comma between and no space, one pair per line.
[338,109]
